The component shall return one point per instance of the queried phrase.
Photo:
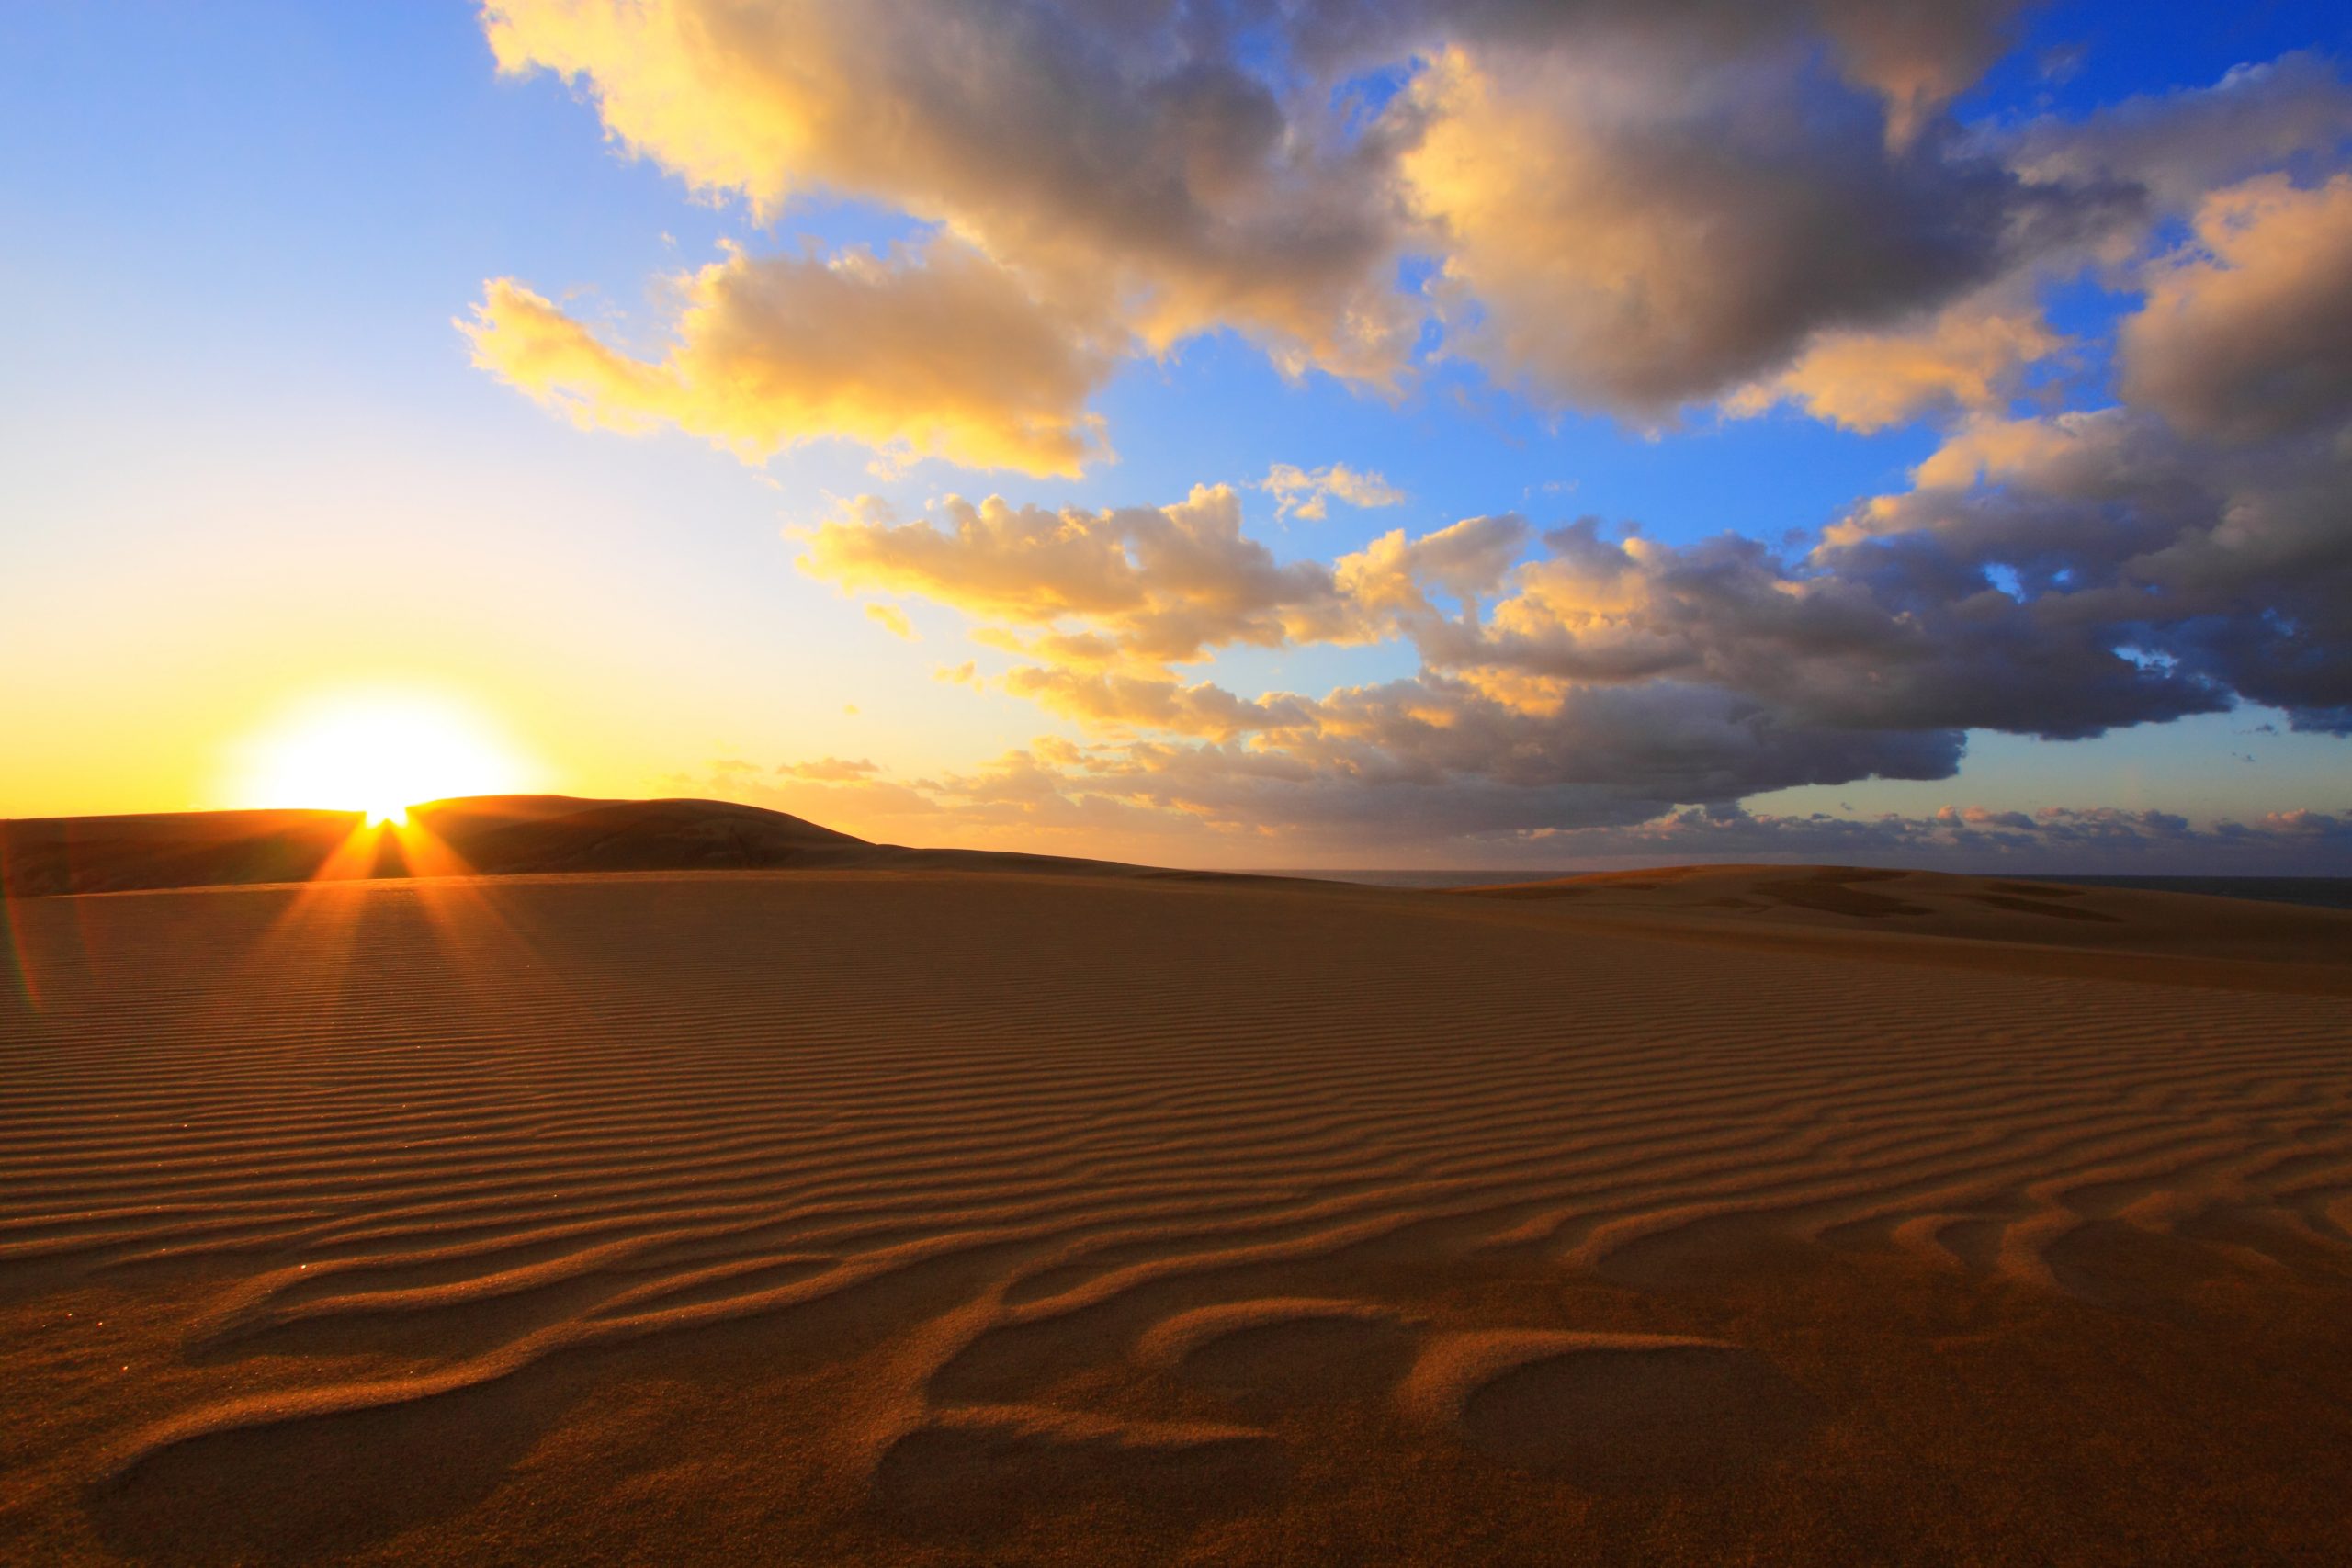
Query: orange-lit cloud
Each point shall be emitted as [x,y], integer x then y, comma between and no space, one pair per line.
[1970,355]
[1120,180]
[1993,449]
[2247,330]
[940,354]
[892,619]
[1156,585]
[1613,242]
[1109,700]
[831,770]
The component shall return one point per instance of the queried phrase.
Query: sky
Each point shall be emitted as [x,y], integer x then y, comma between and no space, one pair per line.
[1269,433]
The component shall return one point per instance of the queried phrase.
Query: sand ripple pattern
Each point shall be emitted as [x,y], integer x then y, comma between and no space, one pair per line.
[404,1141]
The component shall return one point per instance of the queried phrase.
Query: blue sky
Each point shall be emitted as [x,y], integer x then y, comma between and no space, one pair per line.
[253,460]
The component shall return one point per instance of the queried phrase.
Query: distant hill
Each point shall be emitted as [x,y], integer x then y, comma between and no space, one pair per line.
[492,835]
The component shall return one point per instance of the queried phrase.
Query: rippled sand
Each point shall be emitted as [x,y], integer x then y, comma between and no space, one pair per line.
[923,1217]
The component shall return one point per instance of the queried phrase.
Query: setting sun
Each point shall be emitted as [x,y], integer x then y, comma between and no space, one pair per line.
[377,753]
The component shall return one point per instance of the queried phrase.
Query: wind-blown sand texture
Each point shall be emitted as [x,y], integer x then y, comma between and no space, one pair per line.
[934,1217]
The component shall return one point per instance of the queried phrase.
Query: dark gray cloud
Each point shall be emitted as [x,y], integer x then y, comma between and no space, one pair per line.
[1659,235]
[2247,330]
[1892,632]
[1431,759]
[2222,567]
[2177,146]
[1229,804]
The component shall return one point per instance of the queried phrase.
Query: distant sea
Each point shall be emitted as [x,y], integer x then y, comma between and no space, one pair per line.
[2323,892]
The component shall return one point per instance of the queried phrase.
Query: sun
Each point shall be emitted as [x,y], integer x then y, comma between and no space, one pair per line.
[379,753]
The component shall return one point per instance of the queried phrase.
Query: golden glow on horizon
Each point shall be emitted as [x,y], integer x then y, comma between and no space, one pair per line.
[377,753]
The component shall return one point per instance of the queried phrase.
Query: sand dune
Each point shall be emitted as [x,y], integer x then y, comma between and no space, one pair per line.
[861,1217]
[489,835]
[2233,941]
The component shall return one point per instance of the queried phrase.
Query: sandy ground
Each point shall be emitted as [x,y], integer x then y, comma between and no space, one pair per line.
[1728,1216]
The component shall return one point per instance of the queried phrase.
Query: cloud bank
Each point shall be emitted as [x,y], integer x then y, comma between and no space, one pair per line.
[2056,575]
[1638,210]
[1664,213]
[1046,798]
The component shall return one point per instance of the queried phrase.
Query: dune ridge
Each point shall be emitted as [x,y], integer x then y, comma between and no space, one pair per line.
[487,835]
[846,1215]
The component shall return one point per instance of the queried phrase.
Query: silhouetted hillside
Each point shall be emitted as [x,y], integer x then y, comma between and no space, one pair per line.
[495,835]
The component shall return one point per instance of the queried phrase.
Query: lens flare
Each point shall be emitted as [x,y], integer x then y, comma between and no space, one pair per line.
[378,753]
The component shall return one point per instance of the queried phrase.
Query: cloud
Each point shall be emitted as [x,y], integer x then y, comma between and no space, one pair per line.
[2247,330]
[1970,356]
[1612,241]
[1643,222]
[1110,701]
[931,354]
[2056,576]
[1633,207]
[1887,633]
[2086,840]
[1913,55]
[1308,496]
[1390,580]
[1146,586]
[1619,206]
[1098,605]
[2177,146]
[829,770]
[1122,159]
[1220,806]
[1918,53]
[893,620]
[2218,565]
